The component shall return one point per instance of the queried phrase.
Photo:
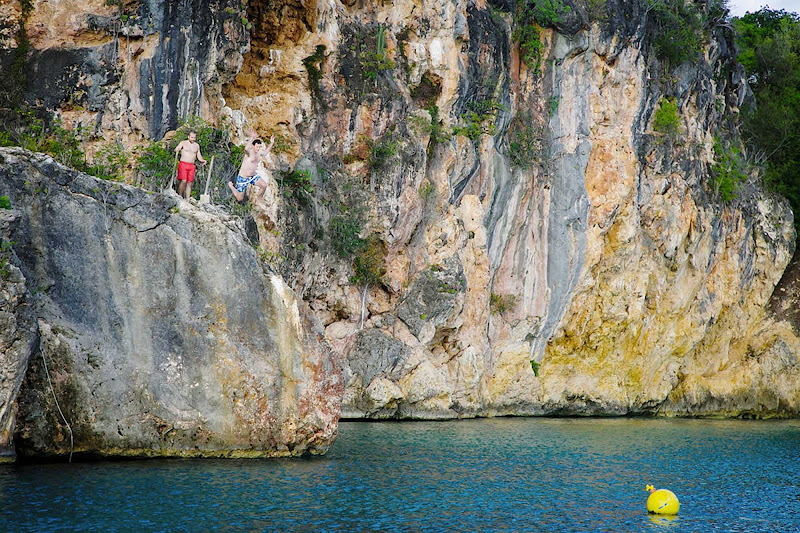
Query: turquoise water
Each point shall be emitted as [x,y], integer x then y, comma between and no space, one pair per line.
[475,475]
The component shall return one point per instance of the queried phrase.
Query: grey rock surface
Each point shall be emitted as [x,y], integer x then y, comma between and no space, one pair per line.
[18,333]
[163,332]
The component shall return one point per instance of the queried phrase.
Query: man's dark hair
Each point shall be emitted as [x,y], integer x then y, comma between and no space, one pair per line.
[257,141]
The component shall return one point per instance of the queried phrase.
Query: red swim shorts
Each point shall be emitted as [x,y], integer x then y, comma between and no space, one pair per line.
[186,171]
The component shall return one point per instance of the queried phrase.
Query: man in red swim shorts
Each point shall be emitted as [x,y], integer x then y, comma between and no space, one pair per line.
[190,151]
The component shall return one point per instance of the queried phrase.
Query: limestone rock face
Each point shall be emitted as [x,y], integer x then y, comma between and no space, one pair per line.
[485,236]
[162,331]
[18,333]
[592,271]
[128,72]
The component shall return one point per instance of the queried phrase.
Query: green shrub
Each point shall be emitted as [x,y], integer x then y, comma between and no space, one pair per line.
[156,164]
[535,367]
[769,45]
[529,17]
[5,202]
[433,128]
[313,64]
[344,232]
[5,258]
[380,153]
[295,181]
[597,10]
[728,170]
[39,131]
[666,120]
[502,303]
[427,191]
[109,162]
[676,30]
[552,104]
[525,142]
[282,143]
[476,119]
[369,263]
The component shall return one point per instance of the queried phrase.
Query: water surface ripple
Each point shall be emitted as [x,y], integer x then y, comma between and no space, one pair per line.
[534,474]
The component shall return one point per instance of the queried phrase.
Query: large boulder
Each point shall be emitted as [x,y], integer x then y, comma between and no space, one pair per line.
[162,332]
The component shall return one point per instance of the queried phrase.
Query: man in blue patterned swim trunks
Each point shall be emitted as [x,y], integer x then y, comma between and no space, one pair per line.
[248,173]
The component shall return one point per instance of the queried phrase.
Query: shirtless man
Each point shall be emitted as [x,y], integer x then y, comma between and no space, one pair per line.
[248,173]
[190,151]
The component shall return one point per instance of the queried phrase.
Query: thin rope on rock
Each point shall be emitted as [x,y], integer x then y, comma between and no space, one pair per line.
[47,372]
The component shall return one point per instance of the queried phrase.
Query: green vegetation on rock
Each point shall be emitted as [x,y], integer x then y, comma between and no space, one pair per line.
[344,232]
[478,119]
[728,170]
[39,131]
[433,128]
[296,181]
[500,303]
[5,258]
[666,120]
[369,263]
[377,61]
[313,65]
[529,18]
[524,142]
[769,44]
[677,30]
[380,152]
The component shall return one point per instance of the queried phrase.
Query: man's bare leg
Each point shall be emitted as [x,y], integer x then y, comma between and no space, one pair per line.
[236,194]
[188,190]
[261,187]
[181,187]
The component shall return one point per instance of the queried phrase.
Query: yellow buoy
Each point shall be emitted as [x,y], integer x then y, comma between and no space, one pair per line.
[662,501]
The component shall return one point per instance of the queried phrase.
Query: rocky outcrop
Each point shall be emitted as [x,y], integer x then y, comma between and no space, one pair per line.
[161,331]
[484,236]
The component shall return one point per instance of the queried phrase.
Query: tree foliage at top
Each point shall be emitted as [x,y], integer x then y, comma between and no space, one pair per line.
[769,43]
[677,30]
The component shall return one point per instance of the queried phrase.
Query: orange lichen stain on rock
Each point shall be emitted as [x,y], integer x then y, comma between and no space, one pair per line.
[610,176]
[64,24]
[280,22]
[271,89]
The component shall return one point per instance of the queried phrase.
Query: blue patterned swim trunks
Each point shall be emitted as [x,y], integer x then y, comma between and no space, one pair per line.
[242,183]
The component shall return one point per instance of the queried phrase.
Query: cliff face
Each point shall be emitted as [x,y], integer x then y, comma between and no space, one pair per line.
[517,213]
[160,330]
[18,334]
[607,259]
